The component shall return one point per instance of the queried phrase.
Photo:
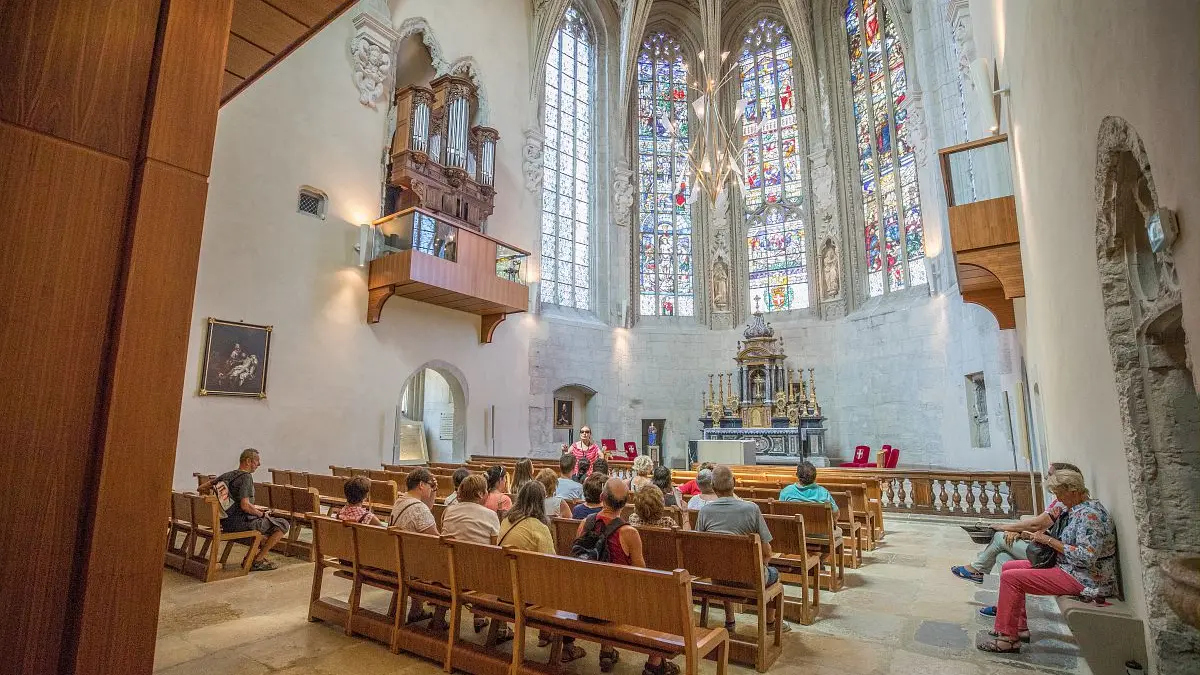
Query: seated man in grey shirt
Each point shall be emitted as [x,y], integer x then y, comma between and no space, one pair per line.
[568,488]
[729,515]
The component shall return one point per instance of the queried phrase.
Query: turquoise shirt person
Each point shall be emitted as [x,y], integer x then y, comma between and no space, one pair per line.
[807,493]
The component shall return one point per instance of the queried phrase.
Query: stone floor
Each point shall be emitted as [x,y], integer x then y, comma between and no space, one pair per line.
[902,613]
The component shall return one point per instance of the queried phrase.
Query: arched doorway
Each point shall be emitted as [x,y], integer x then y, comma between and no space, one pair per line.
[578,397]
[435,398]
[1160,414]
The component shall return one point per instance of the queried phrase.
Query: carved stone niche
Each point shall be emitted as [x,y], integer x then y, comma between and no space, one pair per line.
[439,161]
[830,266]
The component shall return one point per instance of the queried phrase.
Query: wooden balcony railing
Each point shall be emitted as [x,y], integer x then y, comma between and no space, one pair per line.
[425,256]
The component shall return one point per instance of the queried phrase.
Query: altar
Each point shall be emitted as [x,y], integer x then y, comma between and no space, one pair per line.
[767,403]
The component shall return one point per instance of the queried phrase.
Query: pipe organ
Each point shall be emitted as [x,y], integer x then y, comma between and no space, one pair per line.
[439,160]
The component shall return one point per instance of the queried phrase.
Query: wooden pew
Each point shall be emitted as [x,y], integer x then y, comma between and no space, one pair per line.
[425,577]
[735,575]
[851,527]
[180,522]
[333,548]
[297,505]
[660,548]
[789,545]
[563,530]
[209,563]
[481,583]
[549,597]
[822,535]
[376,563]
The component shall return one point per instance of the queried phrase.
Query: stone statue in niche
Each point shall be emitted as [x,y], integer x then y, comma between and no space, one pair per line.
[622,193]
[721,286]
[531,165]
[830,275]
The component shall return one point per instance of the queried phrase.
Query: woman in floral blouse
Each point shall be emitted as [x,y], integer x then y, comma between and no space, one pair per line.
[1086,563]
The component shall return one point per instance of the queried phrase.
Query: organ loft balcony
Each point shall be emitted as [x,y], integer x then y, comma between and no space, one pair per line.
[983,225]
[433,247]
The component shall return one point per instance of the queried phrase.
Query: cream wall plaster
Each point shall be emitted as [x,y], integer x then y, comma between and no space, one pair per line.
[1068,65]
[334,381]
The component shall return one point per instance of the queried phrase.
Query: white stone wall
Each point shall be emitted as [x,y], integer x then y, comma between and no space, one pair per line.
[892,372]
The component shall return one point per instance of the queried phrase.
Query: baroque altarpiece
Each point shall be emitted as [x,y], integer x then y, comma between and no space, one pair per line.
[768,402]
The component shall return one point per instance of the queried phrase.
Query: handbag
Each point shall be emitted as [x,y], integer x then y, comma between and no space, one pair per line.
[1043,556]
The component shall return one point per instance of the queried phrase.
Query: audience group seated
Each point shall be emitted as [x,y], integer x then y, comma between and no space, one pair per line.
[1074,537]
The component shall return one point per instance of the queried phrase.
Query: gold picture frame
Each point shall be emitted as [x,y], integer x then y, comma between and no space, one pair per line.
[235,359]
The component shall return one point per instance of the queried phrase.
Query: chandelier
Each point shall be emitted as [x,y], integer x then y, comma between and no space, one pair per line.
[715,154]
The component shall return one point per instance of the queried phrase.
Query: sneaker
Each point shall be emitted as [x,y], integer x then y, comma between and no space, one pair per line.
[263,565]
[989,612]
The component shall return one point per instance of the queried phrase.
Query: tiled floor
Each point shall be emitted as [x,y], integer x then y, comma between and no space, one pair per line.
[902,613]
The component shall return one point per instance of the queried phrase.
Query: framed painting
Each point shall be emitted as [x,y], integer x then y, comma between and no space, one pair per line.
[564,414]
[235,359]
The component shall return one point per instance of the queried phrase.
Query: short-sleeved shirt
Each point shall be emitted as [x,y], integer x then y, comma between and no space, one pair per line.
[698,502]
[553,506]
[468,521]
[355,513]
[498,501]
[241,484]
[452,499]
[731,515]
[411,515]
[807,493]
[568,489]
[582,511]
[689,488]
[529,534]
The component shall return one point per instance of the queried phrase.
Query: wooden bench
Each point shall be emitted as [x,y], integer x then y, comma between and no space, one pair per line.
[796,565]
[425,577]
[179,523]
[209,563]
[549,597]
[851,527]
[333,548]
[377,563]
[822,535]
[563,530]
[736,575]
[482,583]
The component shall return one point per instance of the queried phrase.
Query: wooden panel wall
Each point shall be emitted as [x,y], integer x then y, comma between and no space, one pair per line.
[991,222]
[107,117]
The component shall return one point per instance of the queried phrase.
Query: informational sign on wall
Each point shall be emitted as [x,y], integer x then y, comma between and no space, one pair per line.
[446,427]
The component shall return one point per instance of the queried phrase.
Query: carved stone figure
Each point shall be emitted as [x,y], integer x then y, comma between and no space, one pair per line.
[531,154]
[372,66]
[721,286]
[622,194]
[829,269]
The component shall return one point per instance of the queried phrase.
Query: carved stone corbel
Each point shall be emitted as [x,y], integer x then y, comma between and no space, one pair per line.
[531,159]
[371,51]
[622,194]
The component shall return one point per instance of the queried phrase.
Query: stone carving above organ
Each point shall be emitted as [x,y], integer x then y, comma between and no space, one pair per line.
[439,161]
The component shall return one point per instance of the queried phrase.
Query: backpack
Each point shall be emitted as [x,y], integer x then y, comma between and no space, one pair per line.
[593,543]
[224,501]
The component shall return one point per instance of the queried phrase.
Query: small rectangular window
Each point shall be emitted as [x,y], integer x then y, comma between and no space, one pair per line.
[312,201]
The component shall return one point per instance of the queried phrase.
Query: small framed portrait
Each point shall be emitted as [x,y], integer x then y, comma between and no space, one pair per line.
[235,359]
[564,414]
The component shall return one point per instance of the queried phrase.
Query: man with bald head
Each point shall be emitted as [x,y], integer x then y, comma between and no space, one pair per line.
[729,515]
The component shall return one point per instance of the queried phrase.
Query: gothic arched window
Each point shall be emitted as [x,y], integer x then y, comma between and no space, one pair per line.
[773,159]
[886,161]
[664,211]
[566,186]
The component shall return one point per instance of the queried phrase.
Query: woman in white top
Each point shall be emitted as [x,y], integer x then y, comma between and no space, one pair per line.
[704,481]
[468,519]
[643,469]
[556,506]
[460,474]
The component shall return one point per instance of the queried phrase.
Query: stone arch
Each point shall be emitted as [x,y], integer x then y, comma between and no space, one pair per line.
[583,396]
[459,396]
[1160,416]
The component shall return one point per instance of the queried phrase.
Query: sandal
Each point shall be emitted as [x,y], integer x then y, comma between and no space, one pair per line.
[786,627]
[263,565]
[480,624]
[544,639]
[504,635]
[608,659]
[999,645]
[664,668]
[1023,636]
[962,573]
[571,652]
[989,611]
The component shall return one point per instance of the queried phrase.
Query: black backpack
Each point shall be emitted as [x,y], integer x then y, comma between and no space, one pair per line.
[593,543]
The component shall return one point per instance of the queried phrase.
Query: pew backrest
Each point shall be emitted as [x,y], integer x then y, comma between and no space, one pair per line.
[818,518]
[739,560]
[631,595]
[332,538]
[660,548]
[204,511]
[845,506]
[425,557]
[376,547]
[482,568]
[564,531]
[787,535]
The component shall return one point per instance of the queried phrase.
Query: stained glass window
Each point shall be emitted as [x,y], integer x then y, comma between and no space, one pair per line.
[664,211]
[892,227]
[566,182]
[773,159]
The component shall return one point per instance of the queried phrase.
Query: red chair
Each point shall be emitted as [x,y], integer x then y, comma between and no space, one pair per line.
[861,454]
[631,451]
[609,445]
[893,458]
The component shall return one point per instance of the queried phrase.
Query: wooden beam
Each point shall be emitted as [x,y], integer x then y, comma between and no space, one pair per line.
[487,326]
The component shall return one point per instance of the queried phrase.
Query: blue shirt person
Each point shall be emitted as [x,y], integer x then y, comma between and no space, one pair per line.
[806,488]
